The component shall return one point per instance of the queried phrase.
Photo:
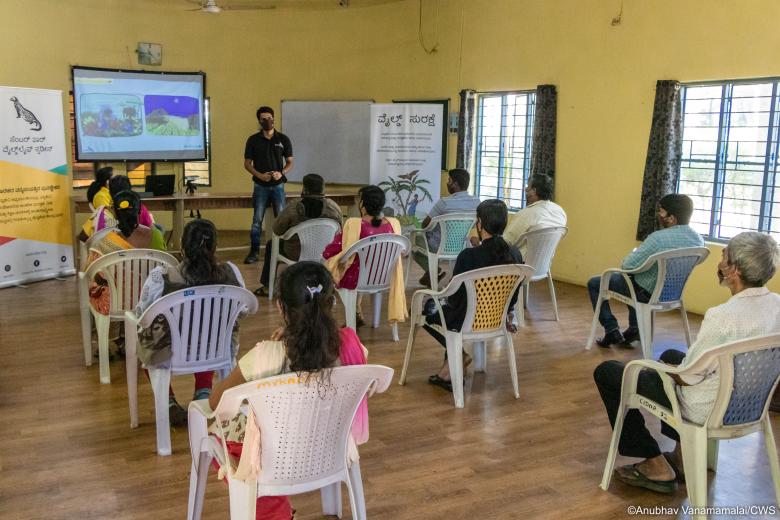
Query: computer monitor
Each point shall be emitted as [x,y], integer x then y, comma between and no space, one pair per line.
[160,185]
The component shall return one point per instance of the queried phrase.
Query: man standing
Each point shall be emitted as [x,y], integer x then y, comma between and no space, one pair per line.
[540,212]
[674,213]
[459,201]
[268,156]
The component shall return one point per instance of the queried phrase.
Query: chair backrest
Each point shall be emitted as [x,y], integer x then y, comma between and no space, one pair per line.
[674,268]
[749,371]
[377,256]
[96,237]
[201,321]
[540,248]
[314,235]
[126,273]
[489,291]
[305,422]
[454,229]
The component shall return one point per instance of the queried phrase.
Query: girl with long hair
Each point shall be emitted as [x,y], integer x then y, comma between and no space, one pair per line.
[199,266]
[371,201]
[492,216]
[310,342]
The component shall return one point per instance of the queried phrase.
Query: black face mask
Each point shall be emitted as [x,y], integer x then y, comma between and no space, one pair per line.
[266,124]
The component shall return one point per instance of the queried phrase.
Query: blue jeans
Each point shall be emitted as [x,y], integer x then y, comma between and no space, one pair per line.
[261,197]
[617,284]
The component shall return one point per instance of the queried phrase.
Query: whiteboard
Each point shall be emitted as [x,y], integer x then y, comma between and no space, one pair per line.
[330,138]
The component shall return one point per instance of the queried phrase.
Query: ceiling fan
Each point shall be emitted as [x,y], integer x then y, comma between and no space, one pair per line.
[212,7]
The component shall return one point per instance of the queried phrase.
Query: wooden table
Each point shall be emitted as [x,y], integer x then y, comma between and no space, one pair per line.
[179,203]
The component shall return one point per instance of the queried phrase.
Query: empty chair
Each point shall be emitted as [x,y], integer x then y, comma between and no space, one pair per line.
[379,262]
[674,268]
[540,246]
[201,321]
[749,371]
[125,273]
[298,454]
[313,234]
[489,293]
[454,228]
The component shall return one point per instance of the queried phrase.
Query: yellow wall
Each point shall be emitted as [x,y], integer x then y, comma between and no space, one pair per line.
[605,77]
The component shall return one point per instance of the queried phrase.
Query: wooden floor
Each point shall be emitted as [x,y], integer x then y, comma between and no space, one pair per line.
[68,451]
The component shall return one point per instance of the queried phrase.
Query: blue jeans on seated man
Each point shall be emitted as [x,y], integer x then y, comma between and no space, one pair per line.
[261,197]
[617,283]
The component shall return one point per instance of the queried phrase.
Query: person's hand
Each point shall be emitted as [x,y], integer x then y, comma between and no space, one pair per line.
[276,175]
[265,177]
[277,334]
[474,241]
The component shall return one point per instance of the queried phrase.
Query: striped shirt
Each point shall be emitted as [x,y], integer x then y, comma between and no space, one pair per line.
[674,237]
[455,203]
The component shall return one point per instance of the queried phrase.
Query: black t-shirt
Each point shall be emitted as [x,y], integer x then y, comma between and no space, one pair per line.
[268,155]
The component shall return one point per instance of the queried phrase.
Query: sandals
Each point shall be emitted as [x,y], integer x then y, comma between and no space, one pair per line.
[633,477]
[438,381]
[261,291]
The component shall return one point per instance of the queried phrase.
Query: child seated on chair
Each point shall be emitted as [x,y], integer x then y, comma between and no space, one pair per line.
[492,216]
[199,266]
[371,200]
[309,341]
[748,262]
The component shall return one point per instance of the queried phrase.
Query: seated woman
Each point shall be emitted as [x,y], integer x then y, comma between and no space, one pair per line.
[493,250]
[371,200]
[748,262]
[97,192]
[130,235]
[309,342]
[312,204]
[105,214]
[199,266]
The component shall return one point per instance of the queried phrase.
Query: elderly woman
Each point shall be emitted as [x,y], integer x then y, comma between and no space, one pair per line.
[749,260]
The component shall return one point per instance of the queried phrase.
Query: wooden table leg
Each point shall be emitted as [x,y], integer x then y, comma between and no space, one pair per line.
[178,225]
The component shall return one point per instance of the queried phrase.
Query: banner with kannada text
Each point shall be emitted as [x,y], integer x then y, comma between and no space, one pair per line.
[35,236]
[406,148]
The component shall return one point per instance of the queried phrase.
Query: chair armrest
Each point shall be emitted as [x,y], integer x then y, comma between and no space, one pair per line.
[201,407]
[664,371]
[605,276]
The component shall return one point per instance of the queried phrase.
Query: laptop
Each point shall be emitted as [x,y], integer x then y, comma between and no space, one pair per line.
[160,185]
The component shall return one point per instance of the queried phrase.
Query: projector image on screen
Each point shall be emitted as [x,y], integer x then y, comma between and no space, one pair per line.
[134,115]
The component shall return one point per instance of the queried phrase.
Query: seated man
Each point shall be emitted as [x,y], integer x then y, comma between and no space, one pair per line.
[312,204]
[674,213]
[459,200]
[540,212]
[747,264]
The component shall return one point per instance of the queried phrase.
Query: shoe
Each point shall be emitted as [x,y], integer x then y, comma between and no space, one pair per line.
[631,335]
[611,338]
[442,383]
[261,291]
[633,477]
[177,415]
[359,321]
[201,393]
[425,280]
[252,257]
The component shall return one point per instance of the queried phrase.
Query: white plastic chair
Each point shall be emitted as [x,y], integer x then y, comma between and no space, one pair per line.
[304,439]
[125,272]
[201,321]
[313,234]
[748,370]
[489,291]
[96,237]
[377,256]
[540,246]
[454,228]
[674,267]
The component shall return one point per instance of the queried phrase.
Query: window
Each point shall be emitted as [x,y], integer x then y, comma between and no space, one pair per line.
[199,172]
[503,157]
[729,156]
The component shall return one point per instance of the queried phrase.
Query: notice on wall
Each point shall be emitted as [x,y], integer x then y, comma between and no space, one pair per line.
[35,241]
[406,153]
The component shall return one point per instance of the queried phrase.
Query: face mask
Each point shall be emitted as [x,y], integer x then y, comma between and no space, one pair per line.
[266,124]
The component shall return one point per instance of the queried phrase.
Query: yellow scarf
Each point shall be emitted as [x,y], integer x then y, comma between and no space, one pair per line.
[396,300]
